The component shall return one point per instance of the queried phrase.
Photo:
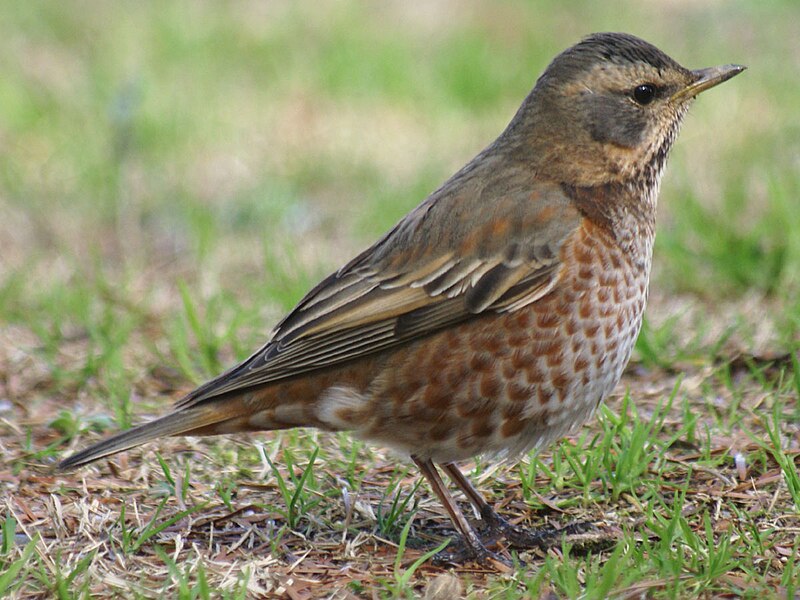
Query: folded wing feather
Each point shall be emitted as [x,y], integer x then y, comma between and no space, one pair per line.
[378,300]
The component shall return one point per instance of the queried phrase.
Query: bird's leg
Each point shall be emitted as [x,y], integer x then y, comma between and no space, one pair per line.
[518,537]
[473,543]
[494,522]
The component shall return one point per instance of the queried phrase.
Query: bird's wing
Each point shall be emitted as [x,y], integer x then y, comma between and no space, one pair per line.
[447,261]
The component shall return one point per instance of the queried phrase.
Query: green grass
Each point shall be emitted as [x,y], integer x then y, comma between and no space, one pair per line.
[175,177]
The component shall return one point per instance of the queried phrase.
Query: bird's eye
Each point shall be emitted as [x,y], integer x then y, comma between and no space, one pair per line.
[644,94]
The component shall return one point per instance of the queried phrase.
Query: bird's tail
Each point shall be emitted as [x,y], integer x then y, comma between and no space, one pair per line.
[182,421]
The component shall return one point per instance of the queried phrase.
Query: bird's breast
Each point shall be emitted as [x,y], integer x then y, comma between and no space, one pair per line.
[506,382]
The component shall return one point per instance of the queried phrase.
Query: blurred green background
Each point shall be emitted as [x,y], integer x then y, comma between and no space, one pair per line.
[163,159]
[175,175]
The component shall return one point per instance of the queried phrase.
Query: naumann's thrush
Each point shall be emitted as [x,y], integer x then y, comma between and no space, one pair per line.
[496,315]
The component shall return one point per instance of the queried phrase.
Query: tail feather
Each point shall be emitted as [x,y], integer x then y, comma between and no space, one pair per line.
[174,423]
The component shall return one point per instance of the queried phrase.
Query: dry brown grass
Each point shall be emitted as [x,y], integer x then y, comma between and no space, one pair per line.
[336,549]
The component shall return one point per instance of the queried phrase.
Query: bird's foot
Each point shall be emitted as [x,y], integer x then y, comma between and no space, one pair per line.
[581,534]
[459,553]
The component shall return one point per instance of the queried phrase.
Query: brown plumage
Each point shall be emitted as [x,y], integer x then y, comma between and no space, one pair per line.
[496,315]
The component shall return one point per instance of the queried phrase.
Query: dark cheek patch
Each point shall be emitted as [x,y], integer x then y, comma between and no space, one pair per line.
[615,120]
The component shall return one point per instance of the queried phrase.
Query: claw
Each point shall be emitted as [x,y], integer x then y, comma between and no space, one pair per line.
[584,534]
[465,553]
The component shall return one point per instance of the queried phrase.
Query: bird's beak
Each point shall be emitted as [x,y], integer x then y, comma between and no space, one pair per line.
[707,78]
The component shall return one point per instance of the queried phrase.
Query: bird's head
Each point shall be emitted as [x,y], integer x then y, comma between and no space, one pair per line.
[608,110]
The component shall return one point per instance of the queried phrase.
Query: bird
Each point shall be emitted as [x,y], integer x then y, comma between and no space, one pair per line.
[494,317]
